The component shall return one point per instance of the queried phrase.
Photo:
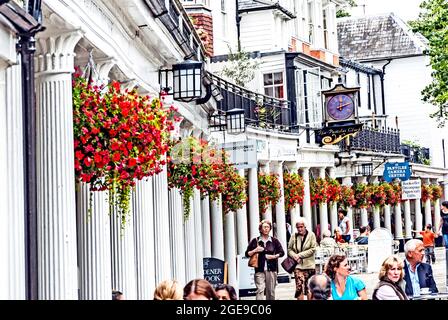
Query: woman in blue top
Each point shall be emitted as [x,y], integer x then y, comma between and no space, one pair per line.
[344,286]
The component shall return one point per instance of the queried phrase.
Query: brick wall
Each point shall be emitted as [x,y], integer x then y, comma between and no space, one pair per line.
[204,26]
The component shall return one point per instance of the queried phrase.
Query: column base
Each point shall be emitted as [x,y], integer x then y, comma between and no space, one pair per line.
[283,278]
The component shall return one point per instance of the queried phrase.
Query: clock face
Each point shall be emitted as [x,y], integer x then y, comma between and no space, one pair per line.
[340,107]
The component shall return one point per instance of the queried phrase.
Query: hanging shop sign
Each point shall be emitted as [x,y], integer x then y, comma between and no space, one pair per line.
[243,154]
[334,134]
[396,170]
[411,189]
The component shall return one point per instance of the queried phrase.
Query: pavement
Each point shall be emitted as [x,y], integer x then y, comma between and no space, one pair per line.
[285,291]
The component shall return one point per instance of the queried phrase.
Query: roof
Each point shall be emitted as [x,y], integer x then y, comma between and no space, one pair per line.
[252,4]
[257,5]
[378,37]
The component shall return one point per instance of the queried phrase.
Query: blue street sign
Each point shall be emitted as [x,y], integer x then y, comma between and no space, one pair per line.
[397,170]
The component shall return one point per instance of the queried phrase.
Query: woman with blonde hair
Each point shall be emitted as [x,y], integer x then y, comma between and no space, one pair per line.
[390,286]
[168,290]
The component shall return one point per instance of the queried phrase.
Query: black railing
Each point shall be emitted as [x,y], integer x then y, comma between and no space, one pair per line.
[260,111]
[416,154]
[384,140]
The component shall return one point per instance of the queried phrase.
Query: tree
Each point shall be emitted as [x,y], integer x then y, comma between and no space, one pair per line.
[433,24]
[240,68]
[342,13]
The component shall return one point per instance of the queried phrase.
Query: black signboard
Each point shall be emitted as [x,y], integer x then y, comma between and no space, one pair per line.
[214,271]
[334,134]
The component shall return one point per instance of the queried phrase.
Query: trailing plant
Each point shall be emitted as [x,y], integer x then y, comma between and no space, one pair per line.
[347,197]
[268,190]
[378,195]
[294,189]
[362,195]
[119,137]
[318,191]
[436,191]
[333,190]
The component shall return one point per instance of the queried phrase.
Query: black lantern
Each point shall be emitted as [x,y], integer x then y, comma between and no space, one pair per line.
[187,81]
[235,121]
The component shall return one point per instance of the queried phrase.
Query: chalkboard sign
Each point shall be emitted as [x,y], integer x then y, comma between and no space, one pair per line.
[214,271]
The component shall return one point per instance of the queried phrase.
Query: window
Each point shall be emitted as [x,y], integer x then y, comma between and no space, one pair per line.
[309,101]
[326,40]
[273,85]
[311,21]
[223,5]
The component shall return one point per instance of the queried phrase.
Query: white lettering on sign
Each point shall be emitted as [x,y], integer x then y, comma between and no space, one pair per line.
[411,189]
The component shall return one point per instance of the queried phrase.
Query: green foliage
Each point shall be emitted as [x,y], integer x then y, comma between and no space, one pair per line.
[433,24]
[417,148]
[240,68]
[342,13]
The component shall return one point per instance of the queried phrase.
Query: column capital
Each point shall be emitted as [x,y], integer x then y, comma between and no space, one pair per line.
[55,52]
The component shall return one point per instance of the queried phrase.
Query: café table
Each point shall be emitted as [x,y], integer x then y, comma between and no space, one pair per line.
[432,296]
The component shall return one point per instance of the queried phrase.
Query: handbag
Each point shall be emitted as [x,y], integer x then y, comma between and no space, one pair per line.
[253,261]
[289,264]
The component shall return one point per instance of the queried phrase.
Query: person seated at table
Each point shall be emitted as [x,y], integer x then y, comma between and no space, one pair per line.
[418,274]
[338,235]
[328,244]
[391,284]
[344,286]
[319,287]
[363,237]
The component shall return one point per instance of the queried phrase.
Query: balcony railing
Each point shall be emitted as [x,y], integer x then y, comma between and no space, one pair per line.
[384,140]
[416,154]
[260,111]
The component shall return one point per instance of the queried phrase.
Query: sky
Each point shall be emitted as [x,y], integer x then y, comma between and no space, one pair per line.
[405,9]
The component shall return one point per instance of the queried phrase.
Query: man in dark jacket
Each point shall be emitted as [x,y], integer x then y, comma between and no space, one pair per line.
[418,275]
[269,249]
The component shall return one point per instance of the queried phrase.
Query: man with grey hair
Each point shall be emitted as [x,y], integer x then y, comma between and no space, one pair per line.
[417,274]
[301,247]
[319,287]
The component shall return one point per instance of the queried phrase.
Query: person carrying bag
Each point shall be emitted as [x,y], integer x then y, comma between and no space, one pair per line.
[267,250]
[301,248]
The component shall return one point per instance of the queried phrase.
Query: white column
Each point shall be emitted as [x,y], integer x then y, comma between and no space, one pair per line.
[177,235]
[376,217]
[206,236]
[428,217]
[418,217]
[198,234]
[241,223]
[387,218]
[161,227]
[93,244]
[268,213]
[280,212]
[445,187]
[407,220]
[295,211]
[333,205]
[189,245]
[436,214]
[398,223]
[254,211]
[230,248]
[12,176]
[144,235]
[347,181]
[323,208]
[307,196]
[5,234]
[123,254]
[217,230]
[364,216]
[56,210]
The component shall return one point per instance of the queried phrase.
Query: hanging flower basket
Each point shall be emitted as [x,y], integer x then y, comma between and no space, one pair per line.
[347,197]
[362,195]
[268,190]
[294,189]
[378,195]
[393,194]
[318,191]
[436,192]
[118,137]
[333,190]
[234,197]
[426,193]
